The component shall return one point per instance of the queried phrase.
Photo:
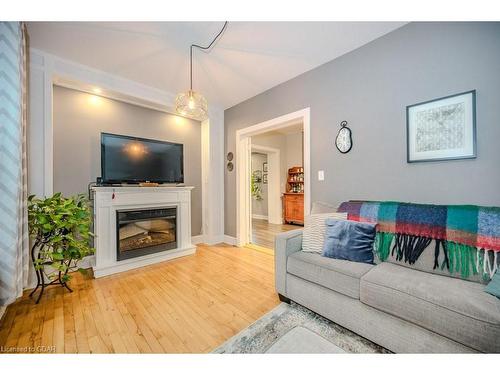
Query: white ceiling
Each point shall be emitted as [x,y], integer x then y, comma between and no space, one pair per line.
[250,57]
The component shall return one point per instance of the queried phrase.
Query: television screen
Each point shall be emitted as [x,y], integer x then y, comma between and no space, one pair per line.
[131,159]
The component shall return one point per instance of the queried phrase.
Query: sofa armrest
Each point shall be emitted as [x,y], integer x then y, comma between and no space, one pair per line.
[285,243]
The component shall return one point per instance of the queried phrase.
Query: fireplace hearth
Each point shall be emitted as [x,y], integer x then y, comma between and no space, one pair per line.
[145,231]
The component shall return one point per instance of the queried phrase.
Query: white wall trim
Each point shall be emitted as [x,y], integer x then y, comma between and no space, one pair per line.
[47,69]
[243,148]
[260,217]
[195,240]
[230,240]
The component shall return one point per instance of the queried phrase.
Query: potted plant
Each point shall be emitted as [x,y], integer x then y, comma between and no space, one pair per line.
[60,230]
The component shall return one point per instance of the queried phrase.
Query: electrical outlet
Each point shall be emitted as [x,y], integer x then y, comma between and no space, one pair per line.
[321,175]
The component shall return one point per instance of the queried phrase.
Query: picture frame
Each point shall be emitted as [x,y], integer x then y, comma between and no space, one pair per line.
[264,178]
[257,176]
[264,166]
[442,129]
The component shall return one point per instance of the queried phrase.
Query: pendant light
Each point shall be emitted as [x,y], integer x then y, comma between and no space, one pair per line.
[191,103]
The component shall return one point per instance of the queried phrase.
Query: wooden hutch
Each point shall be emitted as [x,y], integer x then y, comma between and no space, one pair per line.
[293,199]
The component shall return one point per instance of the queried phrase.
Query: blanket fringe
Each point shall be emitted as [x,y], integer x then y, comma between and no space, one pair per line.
[458,258]
[405,247]
[383,243]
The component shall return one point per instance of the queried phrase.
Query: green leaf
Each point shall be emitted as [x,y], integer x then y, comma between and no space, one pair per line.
[42,219]
[57,256]
[62,225]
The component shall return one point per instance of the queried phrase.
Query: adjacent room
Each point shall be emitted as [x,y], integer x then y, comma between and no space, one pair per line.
[249,187]
[277,183]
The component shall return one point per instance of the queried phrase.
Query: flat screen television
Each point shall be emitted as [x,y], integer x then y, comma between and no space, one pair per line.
[127,159]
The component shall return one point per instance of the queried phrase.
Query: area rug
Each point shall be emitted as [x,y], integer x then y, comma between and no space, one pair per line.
[291,328]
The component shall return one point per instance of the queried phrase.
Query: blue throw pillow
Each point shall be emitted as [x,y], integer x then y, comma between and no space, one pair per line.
[349,240]
[493,286]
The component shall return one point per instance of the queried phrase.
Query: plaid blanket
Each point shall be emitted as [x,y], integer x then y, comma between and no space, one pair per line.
[470,232]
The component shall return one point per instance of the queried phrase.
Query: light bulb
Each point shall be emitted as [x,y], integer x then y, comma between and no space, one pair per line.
[191,104]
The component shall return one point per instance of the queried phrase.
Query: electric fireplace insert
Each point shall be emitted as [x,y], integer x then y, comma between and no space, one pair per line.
[145,231]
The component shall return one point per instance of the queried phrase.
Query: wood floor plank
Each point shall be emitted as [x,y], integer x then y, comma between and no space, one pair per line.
[263,232]
[186,305]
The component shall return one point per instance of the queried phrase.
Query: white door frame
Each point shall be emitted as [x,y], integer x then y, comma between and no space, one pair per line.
[243,154]
[274,211]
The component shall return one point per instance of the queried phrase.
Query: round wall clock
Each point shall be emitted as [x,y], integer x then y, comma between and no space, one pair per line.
[344,138]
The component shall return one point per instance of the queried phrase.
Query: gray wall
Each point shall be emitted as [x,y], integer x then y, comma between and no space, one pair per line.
[79,118]
[370,87]
[294,157]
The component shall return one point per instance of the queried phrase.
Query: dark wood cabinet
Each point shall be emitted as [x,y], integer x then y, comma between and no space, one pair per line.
[293,199]
[293,208]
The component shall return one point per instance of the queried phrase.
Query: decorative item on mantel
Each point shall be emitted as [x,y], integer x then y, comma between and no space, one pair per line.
[193,104]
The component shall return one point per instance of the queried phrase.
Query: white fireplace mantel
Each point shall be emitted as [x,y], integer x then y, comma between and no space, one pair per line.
[107,200]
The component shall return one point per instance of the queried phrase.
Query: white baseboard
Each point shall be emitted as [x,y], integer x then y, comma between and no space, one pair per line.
[261,217]
[230,240]
[87,262]
[198,239]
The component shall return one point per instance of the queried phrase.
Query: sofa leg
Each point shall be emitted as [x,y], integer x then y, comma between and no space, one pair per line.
[283,298]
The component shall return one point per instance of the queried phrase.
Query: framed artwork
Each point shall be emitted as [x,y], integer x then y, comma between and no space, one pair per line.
[264,178]
[257,176]
[264,166]
[442,129]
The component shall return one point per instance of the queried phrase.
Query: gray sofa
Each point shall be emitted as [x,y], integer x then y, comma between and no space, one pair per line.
[404,309]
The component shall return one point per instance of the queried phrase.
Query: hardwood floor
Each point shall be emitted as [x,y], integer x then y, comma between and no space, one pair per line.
[187,305]
[263,233]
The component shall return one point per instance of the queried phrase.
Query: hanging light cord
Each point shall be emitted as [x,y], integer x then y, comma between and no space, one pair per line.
[203,48]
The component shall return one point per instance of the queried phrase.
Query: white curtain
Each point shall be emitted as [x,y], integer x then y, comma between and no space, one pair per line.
[15,263]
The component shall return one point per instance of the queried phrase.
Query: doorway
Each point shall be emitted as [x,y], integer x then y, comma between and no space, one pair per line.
[263,176]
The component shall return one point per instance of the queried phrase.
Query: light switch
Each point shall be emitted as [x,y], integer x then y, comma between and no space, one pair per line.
[321,175]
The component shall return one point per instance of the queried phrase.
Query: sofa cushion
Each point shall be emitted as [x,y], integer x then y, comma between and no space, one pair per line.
[339,275]
[457,309]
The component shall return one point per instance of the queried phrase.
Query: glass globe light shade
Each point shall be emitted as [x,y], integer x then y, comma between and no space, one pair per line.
[191,104]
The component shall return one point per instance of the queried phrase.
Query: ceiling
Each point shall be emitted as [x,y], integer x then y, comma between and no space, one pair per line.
[249,58]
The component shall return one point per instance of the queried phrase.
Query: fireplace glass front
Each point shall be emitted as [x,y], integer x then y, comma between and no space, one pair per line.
[145,231]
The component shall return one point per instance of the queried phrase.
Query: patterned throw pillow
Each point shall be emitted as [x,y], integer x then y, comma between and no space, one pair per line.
[313,236]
